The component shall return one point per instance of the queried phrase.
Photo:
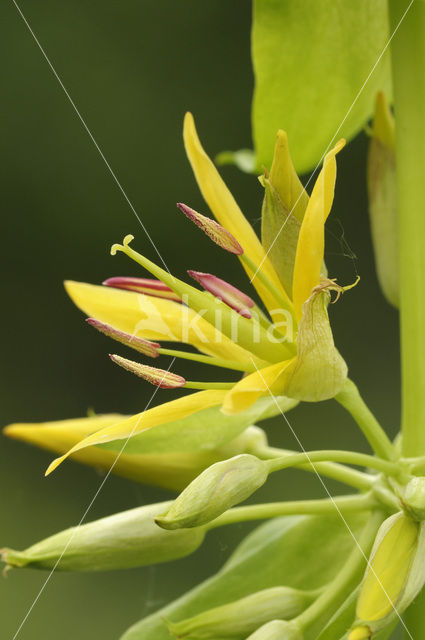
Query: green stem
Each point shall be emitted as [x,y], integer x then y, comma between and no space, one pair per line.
[210,360]
[408,69]
[350,477]
[335,594]
[326,506]
[352,401]
[408,64]
[190,384]
[332,455]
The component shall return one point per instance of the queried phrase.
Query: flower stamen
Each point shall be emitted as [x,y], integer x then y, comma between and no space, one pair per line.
[147,286]
[158,377]
[230,295]
[212,229]
[141,345]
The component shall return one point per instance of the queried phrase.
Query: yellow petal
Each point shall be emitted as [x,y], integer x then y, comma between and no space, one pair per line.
[169,470]
[311,240]
[174,410]
[153,318]
[249,389]
[227,212]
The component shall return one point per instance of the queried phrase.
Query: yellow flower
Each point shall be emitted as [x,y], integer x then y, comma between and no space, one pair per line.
[286,348]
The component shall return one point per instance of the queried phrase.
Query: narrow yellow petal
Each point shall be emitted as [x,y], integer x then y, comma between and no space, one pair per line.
[154,319]
[174,410]
[168,470]
[227,212]
[311,240]
[249,389]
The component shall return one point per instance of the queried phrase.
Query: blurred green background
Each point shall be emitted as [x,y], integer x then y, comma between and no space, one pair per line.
[133,68]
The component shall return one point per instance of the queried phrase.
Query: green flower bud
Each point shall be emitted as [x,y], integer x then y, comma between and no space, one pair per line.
[395,576]
[382,190]
[123,540]
[277,630]
[218,488]
[414,498]
[242,617]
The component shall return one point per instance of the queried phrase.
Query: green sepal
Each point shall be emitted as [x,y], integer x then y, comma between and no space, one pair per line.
[279,234]
[319,372]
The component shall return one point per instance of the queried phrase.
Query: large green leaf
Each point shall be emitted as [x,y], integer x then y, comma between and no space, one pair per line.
[311,60]
[303,552]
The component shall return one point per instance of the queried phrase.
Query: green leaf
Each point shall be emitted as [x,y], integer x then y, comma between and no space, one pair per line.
[201,431]
[303,552]
[311,60]
[244,159]
[342,619]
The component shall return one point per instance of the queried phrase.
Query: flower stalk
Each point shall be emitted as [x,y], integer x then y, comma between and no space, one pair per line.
[324,506]
[350,477]
[352,401]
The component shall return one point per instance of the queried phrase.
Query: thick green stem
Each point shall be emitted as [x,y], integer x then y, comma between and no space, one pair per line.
[345,475]
[326,506]
[351,400]
[408,68]
[408,64]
